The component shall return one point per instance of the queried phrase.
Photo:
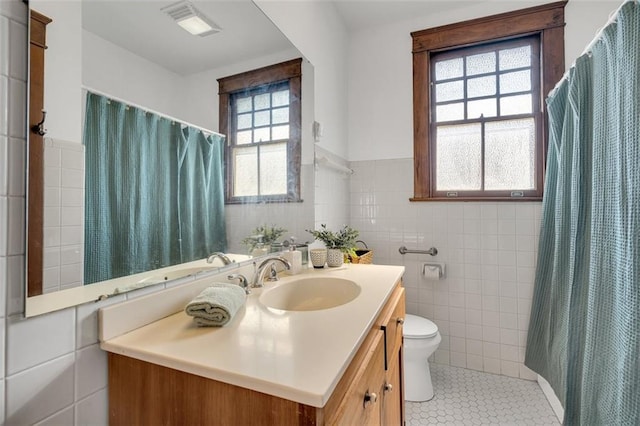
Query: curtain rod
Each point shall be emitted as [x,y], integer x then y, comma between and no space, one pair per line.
[114,98]
[322,160]
[613,16]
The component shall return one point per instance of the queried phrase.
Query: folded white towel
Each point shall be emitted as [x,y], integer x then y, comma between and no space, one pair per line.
[216,305]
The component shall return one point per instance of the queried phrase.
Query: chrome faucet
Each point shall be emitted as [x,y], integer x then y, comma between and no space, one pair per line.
[268,264]
[242,282]
[225,259]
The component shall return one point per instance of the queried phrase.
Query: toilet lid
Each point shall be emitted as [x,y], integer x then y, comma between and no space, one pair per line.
[418,327]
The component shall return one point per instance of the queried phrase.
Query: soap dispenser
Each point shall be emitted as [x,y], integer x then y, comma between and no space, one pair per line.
[294,257]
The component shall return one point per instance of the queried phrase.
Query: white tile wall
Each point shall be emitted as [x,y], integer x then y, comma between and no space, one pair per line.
[15,232]
[4,115]
[16,178]
[15,285]
[4,202]
[64,417]
[91,371]
[332,206]
[17,97]
[39,383]
[2,399]
[4,45]
[482,306]
[93,410]
[12,141]
[36,340]
[3,286]
[64,215]
[34,394]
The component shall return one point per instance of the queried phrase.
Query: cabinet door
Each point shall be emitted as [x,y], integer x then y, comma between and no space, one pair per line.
[392,394]
[362,402]
[391,325]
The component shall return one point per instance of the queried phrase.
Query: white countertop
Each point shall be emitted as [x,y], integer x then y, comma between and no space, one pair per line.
[296,355]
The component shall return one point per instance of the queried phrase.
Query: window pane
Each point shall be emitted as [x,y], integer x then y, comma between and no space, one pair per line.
[243,137]
[261,135]
[244,121]
[243,104]
[449,91]
[280,98]
[273,169]
[262,101]
[486,107]
[481,86]
[519,81]
[510,154]
[518,57]
[245,165]
[450,112]
[280,132]
[458,157]
[261,118]
[280,115]
[511,105]
[482,63]
[449,69]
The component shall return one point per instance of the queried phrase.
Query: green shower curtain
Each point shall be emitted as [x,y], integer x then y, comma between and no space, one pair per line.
[584,332]
[153,191]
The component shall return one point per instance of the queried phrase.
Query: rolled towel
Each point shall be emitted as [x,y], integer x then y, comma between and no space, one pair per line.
[216,305]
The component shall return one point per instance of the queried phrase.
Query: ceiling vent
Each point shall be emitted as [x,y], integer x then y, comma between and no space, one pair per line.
[191,19]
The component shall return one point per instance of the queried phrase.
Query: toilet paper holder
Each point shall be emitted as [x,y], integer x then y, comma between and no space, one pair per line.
[434,271]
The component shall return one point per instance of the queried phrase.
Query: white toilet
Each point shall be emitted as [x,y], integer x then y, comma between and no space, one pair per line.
[421,339]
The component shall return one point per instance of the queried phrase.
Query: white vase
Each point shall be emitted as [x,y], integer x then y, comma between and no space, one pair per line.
[335,257]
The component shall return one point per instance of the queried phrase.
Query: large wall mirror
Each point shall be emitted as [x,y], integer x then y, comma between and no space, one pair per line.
[133,52]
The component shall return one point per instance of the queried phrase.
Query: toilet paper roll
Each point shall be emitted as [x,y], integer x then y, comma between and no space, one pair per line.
[432,271]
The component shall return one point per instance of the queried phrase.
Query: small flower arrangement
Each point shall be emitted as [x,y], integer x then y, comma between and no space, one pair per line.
[344,239]
[263,234]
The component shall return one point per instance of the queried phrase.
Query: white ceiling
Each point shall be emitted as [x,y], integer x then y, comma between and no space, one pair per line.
[359,14]
[142,28]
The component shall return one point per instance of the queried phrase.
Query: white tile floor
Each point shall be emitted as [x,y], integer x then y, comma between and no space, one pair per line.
[468,397]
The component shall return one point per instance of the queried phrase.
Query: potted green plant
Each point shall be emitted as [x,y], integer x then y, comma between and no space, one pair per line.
[338,243]
[259,242]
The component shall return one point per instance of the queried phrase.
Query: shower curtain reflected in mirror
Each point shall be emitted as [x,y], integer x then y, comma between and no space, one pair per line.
[584,332]
[154,191]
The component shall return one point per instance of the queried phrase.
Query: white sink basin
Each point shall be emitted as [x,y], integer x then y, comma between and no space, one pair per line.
[172,275]
[311,294]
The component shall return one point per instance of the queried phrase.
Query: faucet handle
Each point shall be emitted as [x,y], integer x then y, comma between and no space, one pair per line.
[225,259]
[273,274]
[242,281]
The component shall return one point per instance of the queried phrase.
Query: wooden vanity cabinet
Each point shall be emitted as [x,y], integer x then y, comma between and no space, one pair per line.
[393,388]
[141,393]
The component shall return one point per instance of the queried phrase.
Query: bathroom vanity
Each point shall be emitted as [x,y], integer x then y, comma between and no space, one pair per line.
[341,365]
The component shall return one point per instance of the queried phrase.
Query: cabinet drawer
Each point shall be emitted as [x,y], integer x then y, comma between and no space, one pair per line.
[362,402]
[391,325]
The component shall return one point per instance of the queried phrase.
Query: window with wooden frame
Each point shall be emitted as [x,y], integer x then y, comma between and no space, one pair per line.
[479,111]
[260,113]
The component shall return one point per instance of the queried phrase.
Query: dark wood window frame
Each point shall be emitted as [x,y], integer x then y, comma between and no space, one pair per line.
[546,21]
[228,87]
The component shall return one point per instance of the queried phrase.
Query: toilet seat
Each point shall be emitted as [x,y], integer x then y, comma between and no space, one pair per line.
[416,327]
